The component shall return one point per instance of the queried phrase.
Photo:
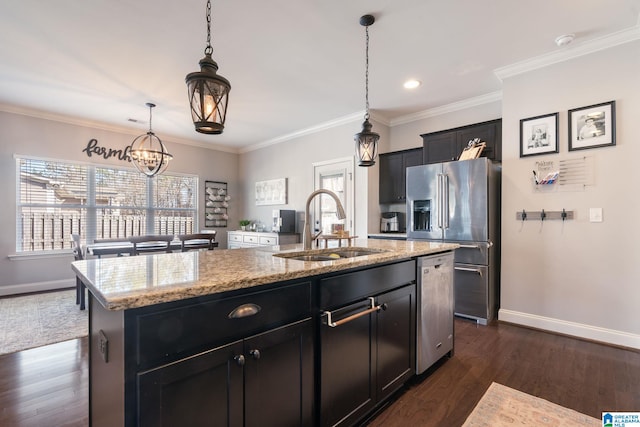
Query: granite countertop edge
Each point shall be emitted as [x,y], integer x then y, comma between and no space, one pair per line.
[132,282]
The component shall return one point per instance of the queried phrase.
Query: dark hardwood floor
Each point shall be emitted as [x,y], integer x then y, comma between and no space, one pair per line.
[47,386]
[588,377]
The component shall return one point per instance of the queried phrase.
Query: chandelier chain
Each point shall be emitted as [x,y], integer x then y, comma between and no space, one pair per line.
[366,78]
[208,50]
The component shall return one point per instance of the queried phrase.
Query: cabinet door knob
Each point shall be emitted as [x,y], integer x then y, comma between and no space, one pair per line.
[239,360]
[255,353]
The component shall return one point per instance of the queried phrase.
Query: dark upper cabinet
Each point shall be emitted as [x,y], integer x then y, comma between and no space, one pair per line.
[440,147]
[393,174]
[447,145]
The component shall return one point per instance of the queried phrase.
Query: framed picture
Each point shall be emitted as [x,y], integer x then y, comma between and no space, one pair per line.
[272,192]
[592,126]
[539,135]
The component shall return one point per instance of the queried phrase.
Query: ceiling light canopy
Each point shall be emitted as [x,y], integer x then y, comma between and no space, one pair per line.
[208,91]
[366,140]
[148,153]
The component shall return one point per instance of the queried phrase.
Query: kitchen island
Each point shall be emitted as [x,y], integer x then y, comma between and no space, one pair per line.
[241,337]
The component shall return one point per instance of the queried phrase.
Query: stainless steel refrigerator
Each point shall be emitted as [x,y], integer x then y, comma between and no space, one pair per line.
[459,202]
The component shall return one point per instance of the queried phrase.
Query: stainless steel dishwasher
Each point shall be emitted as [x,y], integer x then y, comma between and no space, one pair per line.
[435,303]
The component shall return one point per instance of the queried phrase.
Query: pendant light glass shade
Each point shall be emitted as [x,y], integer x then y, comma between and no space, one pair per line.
[366,145]
[148,153]
[208,91]
[366,140]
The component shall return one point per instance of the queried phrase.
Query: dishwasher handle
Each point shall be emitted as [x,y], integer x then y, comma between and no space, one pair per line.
[372,308]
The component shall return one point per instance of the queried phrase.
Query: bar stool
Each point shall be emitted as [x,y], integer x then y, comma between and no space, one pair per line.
[78,256]
[151,243]
[197,241]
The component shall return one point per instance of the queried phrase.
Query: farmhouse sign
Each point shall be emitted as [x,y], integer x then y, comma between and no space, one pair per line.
[93,148]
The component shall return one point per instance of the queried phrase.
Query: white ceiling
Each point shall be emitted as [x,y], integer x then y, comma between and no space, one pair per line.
[292,64]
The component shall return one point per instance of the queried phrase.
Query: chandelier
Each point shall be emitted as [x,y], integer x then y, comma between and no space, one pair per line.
[208,91]
[366,140]
[148,153]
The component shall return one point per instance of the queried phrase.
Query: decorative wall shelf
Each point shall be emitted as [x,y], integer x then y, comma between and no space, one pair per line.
[216,203]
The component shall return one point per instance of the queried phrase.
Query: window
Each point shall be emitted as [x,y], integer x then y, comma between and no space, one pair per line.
[334,175]
[56,199]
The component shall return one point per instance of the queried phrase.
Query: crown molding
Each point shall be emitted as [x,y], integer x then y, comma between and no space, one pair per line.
[569,52]
[306,131]
[61,118]
[449,108]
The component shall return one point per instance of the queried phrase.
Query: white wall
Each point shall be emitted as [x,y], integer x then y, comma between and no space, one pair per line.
[294,160]
[577,277]
[30,136]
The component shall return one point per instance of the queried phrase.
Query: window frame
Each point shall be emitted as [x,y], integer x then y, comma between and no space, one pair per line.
[90,211]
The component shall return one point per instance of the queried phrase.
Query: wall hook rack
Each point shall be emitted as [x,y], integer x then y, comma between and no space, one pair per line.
[544,215]
[523,215]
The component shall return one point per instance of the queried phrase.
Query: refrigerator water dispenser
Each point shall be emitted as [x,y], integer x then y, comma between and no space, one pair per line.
[421,215]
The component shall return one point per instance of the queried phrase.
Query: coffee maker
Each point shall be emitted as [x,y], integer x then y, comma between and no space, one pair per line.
[392,222]
[284,221]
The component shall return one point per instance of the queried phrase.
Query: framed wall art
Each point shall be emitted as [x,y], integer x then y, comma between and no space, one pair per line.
[539,135]
[272,192]
[592,126]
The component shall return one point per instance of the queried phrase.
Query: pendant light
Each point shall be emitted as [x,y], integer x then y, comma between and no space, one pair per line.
[366,140]
[208,91]
[148,153]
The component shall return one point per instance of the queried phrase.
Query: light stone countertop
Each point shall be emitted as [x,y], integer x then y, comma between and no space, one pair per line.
[121,283]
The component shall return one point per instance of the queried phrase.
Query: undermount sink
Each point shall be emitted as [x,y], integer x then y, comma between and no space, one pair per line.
[329,254]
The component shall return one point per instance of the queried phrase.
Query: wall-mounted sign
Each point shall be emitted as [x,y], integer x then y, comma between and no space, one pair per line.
[94,148]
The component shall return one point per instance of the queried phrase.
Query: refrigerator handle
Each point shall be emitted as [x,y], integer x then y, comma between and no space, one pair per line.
[445,197]
[470,270]
[439,200]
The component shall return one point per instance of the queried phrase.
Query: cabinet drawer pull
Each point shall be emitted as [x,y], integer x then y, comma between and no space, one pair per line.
[244,310]
[372,307]
[471,270]
[255,353]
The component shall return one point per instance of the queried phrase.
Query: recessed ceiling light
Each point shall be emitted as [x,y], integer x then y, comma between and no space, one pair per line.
[412,84]
[565,39]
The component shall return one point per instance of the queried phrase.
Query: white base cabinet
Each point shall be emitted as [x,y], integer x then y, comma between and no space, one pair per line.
[250,239]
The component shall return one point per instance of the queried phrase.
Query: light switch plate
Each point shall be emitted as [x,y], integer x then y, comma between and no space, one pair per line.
[595,214]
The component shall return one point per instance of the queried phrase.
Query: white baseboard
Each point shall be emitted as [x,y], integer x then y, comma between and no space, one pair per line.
[595,333]
[26,288]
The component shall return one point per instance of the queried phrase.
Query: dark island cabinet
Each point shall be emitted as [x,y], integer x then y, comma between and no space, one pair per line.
[239,384]
[393,168]
[241,359]
[369,353]
[447,145]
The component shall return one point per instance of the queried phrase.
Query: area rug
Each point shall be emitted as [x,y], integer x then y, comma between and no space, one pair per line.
[502,406]
[40,319]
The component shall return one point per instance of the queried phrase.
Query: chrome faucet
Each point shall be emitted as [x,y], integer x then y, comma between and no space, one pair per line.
[306,234]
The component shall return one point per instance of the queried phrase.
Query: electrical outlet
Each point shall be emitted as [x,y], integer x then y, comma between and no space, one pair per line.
[103,346]
[595,214]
